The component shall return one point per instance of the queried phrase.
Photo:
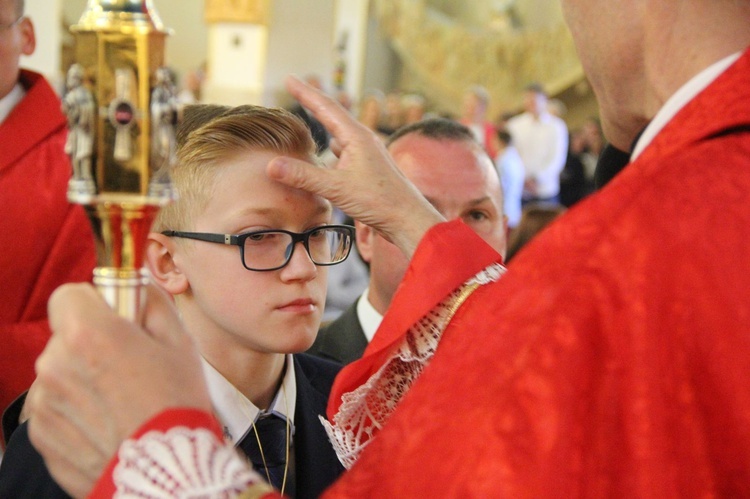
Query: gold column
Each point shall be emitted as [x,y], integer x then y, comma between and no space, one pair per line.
[122,111]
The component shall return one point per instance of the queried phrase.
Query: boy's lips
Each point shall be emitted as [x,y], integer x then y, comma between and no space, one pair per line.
[299,305]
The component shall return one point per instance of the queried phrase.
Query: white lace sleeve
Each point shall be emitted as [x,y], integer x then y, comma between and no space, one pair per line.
[185,463]
[364,411]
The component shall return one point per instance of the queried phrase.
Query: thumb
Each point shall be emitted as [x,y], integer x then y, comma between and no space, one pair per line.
[302,175]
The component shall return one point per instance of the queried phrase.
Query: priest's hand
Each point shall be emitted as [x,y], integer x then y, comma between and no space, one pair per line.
[101,377]
[365,182]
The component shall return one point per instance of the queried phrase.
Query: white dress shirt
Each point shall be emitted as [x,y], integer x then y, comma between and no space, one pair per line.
[369,318]
[236,413]
[543,146]
[511,171]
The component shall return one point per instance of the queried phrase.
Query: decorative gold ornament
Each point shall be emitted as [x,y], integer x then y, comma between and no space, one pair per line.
[121,114]
[442,58]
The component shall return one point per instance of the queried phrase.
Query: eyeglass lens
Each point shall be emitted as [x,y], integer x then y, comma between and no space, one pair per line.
[273,249]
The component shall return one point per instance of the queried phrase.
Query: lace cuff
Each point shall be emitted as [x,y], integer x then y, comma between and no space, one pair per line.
[364,411]
[163,460]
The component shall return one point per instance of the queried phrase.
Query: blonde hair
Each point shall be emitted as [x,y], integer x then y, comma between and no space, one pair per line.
[210,134]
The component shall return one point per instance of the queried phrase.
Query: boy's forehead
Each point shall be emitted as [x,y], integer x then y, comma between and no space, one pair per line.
[243,188]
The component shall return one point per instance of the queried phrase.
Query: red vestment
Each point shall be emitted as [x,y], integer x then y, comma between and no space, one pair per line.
[612,358]
[44,240]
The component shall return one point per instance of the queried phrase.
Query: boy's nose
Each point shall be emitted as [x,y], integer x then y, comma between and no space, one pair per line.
[300,265]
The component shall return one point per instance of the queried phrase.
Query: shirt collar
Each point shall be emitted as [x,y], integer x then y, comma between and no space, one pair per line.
[10,101]
[684,95]
[368,317]
[236,412]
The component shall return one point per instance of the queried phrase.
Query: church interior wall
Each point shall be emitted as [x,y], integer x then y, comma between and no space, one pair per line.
[301,40]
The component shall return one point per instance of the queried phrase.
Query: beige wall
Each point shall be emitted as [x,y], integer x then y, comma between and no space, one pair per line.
[300,41]
[45,15]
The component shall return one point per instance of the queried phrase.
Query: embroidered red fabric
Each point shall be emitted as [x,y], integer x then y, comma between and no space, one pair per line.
[612,358]
[178,453]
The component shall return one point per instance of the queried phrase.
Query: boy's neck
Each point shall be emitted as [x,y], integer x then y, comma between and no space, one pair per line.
[256,375]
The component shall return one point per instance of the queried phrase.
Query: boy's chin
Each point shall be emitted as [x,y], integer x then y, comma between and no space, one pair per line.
[302,341]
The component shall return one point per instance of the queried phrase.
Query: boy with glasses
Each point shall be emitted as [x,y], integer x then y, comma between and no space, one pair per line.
[245,259]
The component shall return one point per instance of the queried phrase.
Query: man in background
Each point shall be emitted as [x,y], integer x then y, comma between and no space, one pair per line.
[511,170]
[455,174]
[44,240]
[542,141]
[474,110]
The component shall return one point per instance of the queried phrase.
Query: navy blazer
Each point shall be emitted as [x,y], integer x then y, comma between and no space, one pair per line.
[23,473]
[342,340]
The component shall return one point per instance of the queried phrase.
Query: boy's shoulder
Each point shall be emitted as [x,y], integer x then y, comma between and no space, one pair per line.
[318,372]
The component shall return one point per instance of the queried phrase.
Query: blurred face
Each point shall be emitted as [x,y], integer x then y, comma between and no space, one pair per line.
[458,178]
[413,114]
[393,105]
[472,107]
[370,112]
[534,103]
[276,311]
[16,39]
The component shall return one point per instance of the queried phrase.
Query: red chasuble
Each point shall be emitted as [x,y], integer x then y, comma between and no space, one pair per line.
[44,240]
[613,358]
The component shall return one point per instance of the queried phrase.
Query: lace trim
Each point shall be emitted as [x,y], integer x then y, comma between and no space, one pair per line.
[183,462]
[364,411]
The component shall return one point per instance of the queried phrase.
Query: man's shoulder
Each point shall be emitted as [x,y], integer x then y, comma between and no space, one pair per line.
[41,103]
[342,340]
[36,84]
[347,321]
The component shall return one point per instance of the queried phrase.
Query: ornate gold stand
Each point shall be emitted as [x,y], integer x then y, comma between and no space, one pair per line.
[122,111]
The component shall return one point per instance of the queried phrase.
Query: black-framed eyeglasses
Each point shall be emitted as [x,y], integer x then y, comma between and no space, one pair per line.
[5,27]
[265,250]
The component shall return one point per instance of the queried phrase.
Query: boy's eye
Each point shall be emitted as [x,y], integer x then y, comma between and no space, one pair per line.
[317,234]
[266,237]
[477,215]
[256,237]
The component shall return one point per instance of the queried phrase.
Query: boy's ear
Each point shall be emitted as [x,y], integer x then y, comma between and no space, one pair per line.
[365,235]
[160,251]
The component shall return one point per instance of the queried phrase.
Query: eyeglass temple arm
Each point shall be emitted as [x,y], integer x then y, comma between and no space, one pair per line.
[200,236]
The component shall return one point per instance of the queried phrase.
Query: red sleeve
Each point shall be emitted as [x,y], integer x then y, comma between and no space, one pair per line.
[189,418]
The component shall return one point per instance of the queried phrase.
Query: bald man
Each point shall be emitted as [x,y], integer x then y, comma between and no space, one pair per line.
[444,161]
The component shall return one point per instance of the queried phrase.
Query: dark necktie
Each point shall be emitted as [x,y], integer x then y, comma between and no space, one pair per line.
[272,433]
